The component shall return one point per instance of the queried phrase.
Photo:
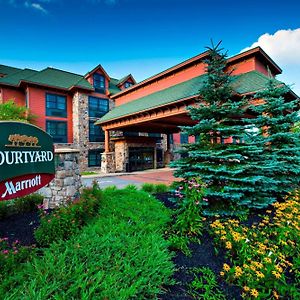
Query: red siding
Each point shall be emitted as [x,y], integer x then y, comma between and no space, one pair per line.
[160,84]
[243,66]
[13,94]
[37,105]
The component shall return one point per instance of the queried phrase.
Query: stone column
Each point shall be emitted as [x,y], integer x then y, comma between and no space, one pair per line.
[66,185]
[108,162]
[167,154]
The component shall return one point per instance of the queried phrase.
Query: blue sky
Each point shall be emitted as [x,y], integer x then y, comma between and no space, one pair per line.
[144,37]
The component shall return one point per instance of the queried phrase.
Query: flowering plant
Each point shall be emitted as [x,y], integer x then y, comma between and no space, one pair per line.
[190,201]
[265,257]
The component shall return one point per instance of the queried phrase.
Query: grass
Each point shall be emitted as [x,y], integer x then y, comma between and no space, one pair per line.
[88,173]
[121,255]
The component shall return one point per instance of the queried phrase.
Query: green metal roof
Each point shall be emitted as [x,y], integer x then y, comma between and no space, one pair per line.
[243,84]
[15,78]
[58,78]
[8,70]
[113,89]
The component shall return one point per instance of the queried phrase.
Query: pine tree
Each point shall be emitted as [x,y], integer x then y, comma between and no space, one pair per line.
[226,155]
[276,119]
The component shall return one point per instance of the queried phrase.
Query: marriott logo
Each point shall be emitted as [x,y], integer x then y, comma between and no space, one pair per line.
[12,188]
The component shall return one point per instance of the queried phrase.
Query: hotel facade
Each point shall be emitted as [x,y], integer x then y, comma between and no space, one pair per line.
[120,125]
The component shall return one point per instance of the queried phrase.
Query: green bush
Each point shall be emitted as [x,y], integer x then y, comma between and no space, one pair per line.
[122,255]
[19,205]
[28,203]
[148,187]
[66,221]
[154,188]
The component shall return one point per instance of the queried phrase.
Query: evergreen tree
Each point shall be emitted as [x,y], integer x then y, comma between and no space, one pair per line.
[276,119]
[226,155]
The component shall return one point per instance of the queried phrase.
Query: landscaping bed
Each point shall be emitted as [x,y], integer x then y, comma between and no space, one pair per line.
[131,223]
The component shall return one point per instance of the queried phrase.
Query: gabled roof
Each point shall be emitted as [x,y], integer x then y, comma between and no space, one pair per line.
[125,78]
[59,79]
[15,78]
[113,86]
[96,69]
[246,83]
[6,70]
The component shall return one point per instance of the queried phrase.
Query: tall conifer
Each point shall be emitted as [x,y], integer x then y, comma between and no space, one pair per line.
[227,153]
[277,116]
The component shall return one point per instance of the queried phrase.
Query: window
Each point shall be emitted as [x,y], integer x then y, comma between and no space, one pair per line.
[58,130]
[127,84]
[94,158]
[96,134]
[99,83]
[56,105]
[97,107]
[184,138]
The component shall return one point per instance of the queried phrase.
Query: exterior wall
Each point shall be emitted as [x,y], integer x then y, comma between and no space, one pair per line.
[163,83]
[263,68]
[81,128]
[37,106]
[243,66]
[13,94]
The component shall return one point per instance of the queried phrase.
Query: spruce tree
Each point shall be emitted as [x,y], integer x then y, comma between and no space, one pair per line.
[226,155]
[276,119]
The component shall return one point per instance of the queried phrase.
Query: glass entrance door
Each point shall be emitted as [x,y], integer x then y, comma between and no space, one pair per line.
[141,158]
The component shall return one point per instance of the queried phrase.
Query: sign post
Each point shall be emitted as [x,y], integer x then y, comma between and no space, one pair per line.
[26,159]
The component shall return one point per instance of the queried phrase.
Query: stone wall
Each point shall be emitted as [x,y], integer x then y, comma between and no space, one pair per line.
[67,182]
[81,129]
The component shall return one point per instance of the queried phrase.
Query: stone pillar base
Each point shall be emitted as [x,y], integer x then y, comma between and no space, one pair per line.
[66,185]
[108,162]
[167,157]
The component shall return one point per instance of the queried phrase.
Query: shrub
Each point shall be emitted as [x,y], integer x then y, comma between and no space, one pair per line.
[65,221]
[264,257]
[189,198]
[154,188]
[20,205]
[148,187]
[122,255]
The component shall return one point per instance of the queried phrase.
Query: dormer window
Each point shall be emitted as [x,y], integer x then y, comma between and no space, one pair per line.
[127,84]
[99,83]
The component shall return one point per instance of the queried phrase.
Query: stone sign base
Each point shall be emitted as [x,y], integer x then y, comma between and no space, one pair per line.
[65,187]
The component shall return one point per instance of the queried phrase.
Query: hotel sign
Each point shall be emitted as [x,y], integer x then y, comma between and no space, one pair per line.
[26,159]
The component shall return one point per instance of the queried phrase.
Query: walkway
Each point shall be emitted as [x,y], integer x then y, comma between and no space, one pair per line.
[121,180]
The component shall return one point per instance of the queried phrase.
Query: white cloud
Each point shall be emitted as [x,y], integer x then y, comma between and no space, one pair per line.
[39,7]
[284,48]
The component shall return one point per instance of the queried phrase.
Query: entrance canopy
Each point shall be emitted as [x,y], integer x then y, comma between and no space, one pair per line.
[164,111]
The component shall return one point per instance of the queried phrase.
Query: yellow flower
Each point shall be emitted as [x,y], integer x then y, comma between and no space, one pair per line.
[222,273]
[260,274]
[222,238]
[226,267]
[228,245]
[268,260]
[276,296]
[246,288]
[254,293]
[277,275]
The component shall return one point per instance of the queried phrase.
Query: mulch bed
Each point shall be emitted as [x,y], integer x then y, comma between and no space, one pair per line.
[203,255]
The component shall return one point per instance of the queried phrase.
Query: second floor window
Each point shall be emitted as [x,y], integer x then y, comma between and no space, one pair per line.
[56,105]
[98,107]
[99,83]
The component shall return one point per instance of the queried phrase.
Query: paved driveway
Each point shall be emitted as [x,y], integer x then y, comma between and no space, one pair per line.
[138,178]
